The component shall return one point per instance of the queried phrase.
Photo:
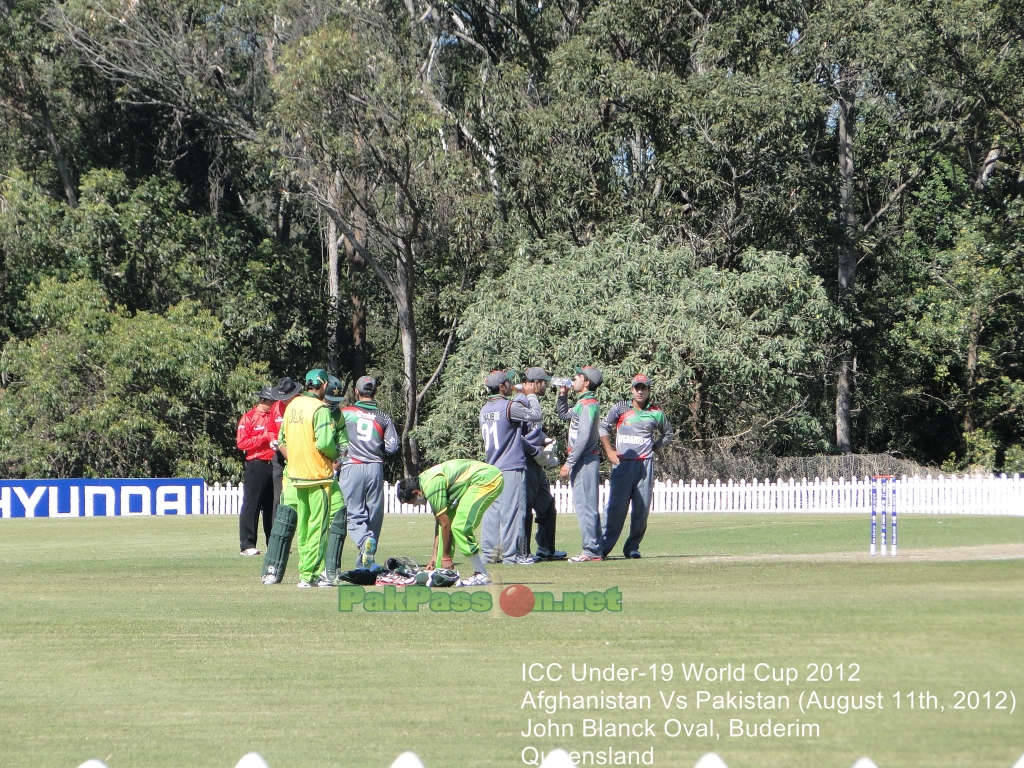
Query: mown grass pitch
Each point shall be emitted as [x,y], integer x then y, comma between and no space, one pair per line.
[150,642]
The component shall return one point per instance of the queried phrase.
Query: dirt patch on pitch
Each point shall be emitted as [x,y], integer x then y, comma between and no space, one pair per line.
[936,555]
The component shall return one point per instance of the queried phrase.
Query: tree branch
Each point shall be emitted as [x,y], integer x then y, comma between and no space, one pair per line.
[440,366]
[893,198]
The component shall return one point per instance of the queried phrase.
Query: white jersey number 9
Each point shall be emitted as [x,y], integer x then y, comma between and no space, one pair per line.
[364,429]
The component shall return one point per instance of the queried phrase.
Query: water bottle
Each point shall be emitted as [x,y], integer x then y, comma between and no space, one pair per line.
[369,550]
[561,382]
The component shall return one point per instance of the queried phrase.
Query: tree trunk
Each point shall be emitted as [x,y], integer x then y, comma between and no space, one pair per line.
[283,223]
[410,349]
[356,265]
[333,297]
[846,272]
[973,342]
[696,402]
[333,289]
[844,391]
[405,264]
[58,156]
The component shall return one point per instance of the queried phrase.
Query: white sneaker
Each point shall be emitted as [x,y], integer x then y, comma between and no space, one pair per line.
[304,585]
[250,552]
[270,579]
[476,580]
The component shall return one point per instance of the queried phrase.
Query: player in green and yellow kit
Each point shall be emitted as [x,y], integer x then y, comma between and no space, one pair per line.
[458,492]
[338,529]
[276,560]
[308,443]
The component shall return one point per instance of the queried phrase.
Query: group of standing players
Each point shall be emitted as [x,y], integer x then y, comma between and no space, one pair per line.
[315,468]
[328,458]
[500,495]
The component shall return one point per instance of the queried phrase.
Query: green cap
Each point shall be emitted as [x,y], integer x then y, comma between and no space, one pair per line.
[317,377]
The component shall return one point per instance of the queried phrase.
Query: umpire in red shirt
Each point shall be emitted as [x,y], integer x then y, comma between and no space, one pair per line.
[255,433]
[285,391]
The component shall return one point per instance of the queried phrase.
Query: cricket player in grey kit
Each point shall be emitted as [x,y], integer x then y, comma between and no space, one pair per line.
[632,479]
[501,422]
[538,489]
[371,432]
[583,464]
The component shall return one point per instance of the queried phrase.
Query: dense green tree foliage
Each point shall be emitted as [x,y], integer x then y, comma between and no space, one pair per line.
[727,350]
[803,218]
[101,392]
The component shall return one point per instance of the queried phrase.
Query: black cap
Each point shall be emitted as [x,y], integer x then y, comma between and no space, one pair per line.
[286,388]
[536,374]
[267,393]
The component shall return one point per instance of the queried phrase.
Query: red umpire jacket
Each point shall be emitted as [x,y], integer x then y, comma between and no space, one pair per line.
[255,431]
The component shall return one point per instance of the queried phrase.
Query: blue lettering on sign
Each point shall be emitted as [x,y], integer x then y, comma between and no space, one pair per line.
[101,498]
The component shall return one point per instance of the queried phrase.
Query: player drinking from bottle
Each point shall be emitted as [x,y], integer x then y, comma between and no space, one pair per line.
[539,449]
[501,422]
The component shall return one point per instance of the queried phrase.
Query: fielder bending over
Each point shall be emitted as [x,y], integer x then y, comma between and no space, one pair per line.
[458,493]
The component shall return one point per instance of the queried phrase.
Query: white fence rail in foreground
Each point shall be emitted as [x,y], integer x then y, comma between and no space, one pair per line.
[952,495]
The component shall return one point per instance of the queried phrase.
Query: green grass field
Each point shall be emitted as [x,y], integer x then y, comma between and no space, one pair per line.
[150,642]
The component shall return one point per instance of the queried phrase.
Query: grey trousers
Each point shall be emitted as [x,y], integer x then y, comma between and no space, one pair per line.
[540,500]
[502,529]
[632,482]
[585,479]
[362,485]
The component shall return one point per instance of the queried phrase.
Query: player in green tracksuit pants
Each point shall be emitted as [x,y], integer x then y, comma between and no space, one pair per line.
[339,509]
[458,492]
[308,443]
[276,560]
[283,533]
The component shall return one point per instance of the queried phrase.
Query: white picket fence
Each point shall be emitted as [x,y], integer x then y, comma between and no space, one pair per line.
[946,495]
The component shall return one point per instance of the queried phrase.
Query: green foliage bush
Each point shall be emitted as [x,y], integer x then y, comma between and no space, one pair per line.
[99,392]
[742,340]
